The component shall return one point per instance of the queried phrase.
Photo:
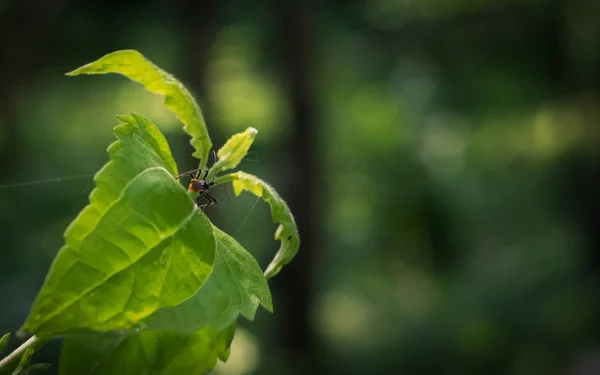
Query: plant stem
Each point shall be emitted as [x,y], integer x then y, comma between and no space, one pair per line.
[11,361]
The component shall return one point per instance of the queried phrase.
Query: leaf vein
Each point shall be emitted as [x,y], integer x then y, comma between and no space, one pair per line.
[109,276]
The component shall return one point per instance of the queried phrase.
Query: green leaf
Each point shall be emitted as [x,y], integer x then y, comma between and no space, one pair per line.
[4,341]
[150,249]
[233,151]
[139,246]
[178,99]
[24,362]
[140,146]
[237,285]
[157,353]
[287,232]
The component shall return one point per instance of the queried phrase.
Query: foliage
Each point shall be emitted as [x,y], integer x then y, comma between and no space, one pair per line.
[178,99]
[144,279]
[146,352]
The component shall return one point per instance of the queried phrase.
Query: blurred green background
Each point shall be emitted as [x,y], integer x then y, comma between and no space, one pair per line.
[441,158]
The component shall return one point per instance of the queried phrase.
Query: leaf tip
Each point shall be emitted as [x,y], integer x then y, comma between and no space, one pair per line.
[267,305]
[123,118]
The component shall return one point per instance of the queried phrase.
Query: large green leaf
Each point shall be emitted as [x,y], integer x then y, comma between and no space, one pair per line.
[287,232]
[178,99]
[140,145]
[233,151]
[150,249]
[157,353]
[237,285]
[139,246]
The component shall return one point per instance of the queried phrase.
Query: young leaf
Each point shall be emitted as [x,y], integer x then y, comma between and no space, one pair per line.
[178,99]
[4,341]
[157,353]
[150,249]
[24,362]
[137,247]
[237,285]
[287,232]
[233,151]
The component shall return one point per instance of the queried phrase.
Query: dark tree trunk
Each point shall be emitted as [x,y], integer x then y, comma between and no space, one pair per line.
[578,173]
[200,28]
[296,337]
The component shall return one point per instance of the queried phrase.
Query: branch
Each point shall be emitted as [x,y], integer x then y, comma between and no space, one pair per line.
[11,361]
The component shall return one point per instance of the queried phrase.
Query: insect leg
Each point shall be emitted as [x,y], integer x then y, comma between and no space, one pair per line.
[199,197]
[211,200]
[189,173]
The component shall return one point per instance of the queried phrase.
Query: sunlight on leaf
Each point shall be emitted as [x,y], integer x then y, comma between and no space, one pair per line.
[140,245]
[157,353]
[233,151]
[145,283]
[178,99]
[287,232]
[140,146]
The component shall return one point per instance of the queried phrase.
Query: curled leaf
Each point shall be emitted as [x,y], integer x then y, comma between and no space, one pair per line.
[287,231]
[178,99]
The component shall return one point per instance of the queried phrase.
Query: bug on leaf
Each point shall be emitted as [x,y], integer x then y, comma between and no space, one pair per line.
[200,186]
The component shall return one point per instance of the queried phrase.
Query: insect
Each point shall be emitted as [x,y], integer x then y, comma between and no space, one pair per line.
[200,186]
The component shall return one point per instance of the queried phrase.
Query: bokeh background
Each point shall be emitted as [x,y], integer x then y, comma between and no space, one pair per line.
[441,158]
